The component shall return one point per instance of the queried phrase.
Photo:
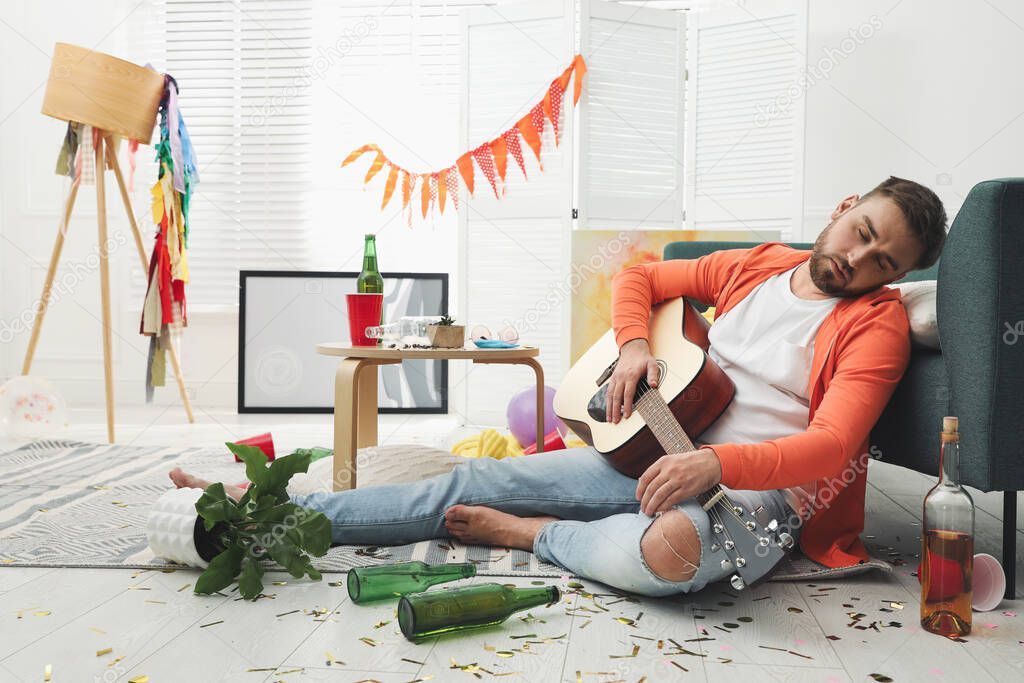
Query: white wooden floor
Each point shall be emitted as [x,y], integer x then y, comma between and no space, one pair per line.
[847,630]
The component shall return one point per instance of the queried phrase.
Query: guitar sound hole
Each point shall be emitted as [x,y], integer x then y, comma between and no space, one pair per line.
[598,404]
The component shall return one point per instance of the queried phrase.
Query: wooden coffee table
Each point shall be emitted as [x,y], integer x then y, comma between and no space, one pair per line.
[355,393]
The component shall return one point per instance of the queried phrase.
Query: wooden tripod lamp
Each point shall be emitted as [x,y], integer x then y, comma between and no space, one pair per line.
[114,97]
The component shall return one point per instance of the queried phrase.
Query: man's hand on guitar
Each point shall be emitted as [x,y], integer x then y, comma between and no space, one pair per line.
[635,361]
[675,477]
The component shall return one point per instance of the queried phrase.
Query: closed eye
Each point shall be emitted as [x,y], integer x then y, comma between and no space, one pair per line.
[880,261]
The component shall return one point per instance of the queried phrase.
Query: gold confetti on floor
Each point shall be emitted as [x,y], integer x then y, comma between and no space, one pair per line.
[636,650]
[48,672]
[139,679]
[212,623]
[104,651]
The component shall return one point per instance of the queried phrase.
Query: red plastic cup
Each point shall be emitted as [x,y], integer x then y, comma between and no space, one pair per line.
[264,442]
[552,442]
[363,311]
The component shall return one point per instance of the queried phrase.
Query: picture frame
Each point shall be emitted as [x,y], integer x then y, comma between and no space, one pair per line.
[283,315]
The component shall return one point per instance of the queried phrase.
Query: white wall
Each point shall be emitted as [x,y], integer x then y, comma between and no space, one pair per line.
[931,94]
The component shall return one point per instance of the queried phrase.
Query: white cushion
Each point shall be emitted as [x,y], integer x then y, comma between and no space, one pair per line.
[919,300]
[395,464]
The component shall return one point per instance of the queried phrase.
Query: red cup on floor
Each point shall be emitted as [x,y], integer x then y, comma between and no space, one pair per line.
[264,442]
[363,311]
[552,442]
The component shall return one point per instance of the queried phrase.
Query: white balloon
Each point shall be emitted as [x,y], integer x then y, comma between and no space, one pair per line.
[31,407]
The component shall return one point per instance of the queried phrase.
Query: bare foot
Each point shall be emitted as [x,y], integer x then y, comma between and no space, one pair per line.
[481,525]
[184,480]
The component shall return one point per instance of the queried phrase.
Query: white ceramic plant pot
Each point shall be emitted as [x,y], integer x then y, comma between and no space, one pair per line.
[174,527]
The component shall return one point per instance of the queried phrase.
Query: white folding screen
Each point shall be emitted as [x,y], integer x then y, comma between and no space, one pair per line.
[631,119]
[235,62]
[745,136]
[514,253]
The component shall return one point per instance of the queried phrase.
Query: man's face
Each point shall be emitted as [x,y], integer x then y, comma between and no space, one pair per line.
[870,244]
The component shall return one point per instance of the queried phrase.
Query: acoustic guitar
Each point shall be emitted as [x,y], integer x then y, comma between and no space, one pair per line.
[691,393]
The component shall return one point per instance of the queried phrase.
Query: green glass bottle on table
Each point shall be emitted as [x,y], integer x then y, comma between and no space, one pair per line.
[366,584]
[369,280]
[422,615]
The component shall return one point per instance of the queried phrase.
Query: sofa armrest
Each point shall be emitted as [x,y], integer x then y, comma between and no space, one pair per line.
[980,299]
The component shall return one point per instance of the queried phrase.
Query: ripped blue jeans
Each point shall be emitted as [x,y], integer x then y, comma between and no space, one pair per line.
[598,535]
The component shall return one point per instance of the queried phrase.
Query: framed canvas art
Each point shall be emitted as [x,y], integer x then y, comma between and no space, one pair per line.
[283,315]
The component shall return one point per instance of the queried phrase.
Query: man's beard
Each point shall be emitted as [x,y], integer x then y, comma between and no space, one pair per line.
[821,269]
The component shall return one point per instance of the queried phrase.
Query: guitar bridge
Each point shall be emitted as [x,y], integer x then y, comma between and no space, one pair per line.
[713,500]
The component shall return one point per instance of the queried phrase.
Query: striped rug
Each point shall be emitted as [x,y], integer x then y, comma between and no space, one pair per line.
[70,504]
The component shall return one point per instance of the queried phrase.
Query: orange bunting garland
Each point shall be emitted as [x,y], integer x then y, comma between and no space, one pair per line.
[491,156]
[465,164]
[441,187]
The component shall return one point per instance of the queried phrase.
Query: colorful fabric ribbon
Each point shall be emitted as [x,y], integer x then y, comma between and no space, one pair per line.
[164,304]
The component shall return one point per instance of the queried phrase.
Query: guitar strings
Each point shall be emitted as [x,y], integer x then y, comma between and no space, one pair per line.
[643,387]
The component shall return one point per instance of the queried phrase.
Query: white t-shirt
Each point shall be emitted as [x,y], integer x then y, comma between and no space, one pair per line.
[765,345]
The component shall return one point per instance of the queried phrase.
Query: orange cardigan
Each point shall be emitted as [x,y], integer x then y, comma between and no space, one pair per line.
[860,353]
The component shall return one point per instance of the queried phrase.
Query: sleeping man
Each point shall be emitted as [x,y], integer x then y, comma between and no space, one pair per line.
[815,344]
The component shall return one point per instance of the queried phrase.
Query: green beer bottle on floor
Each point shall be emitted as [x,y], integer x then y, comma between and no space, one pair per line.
[422,615]
[369,280]
[366,584]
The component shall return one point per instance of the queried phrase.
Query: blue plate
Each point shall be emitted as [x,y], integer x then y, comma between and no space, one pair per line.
[494,344]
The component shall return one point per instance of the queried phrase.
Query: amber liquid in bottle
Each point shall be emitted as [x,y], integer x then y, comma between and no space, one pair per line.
[946,604]
[947,545]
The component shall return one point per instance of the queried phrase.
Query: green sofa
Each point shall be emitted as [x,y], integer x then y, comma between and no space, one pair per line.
[979,374]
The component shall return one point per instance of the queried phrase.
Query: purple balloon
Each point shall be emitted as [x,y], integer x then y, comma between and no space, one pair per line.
[522,416]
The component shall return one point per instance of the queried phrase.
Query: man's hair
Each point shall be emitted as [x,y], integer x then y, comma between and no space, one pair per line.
[924,213]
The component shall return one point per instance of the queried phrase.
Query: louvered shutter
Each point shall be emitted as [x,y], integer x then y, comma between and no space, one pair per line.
[745,146]
[248,113]
[514,253]
[631,117]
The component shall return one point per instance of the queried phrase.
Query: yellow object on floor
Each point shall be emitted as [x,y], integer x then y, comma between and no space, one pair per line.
[574,441]
[490,443]
[493,444]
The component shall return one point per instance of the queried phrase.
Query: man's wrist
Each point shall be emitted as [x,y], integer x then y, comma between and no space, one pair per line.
[714,464]
[636,342]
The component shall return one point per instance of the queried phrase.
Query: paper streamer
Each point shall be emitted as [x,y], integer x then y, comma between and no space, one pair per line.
[491,156]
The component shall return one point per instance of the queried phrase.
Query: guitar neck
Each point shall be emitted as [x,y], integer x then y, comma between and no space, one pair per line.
[669,433]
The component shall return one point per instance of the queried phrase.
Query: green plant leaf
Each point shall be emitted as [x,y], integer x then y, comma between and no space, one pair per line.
[288,556]
[222,571]
[312,573]
[250,583]
[215,506]
[274,513]
[282,470]
[315,530]
[255,462]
